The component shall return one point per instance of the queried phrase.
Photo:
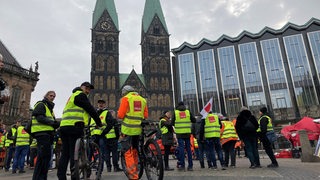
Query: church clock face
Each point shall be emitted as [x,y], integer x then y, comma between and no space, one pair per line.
[105,25]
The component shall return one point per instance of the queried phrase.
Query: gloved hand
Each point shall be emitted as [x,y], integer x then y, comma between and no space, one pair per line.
[56,124]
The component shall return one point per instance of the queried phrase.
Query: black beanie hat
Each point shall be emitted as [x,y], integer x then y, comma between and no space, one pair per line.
[264,110]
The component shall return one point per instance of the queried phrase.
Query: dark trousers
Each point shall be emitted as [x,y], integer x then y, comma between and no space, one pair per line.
[111,147]
[69,136]
[228,149]
[213,146]
[44,148]
[252,150]
[166,155]
[268,148]
[9,154]
[33,154]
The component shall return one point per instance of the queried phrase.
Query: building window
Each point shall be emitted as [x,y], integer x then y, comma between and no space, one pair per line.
[14,101]
[156,30]
[188,85]
[208,79]
[230,79]
[300,71]
[314,41]
[252,75]
[276,77]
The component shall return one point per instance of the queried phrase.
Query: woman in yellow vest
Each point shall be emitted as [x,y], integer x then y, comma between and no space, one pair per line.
[166,137]
[228,140]
[43,129]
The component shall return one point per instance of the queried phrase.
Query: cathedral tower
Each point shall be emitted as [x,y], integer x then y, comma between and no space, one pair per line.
[105,54]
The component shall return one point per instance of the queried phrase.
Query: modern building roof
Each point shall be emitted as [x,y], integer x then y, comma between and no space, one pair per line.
[7,56]
[102,5]
[152,8]
[249,34]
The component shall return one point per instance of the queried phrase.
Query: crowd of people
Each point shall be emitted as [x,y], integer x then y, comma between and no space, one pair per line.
[42,136]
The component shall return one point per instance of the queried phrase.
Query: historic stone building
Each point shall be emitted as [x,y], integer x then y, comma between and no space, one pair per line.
[155,82]
[21,83]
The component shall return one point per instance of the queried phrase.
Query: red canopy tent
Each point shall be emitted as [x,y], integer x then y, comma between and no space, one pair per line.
[306,123]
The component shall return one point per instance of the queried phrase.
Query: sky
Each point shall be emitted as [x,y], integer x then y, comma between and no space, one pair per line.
[57,33]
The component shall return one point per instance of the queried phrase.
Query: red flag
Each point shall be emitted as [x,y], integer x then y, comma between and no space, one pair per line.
[206,109]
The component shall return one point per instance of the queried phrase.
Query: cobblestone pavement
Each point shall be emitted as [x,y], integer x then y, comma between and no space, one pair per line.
[289,169]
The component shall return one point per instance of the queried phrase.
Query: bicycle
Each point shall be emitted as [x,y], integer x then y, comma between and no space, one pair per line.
[150,157]
[87,157]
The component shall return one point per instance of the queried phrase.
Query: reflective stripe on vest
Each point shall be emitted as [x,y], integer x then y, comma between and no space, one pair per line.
[131,124]
[111,133]
[39,127]
[23,137]
[229,130]
[182,125]
[163,129]
[212,126]
[33,143]
[269,125]
[3,140]
[73,113]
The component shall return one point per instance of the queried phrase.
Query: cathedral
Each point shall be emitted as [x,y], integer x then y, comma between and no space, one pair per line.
[155,82]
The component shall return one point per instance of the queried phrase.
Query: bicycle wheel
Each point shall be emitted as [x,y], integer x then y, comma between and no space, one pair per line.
[80,156]
[153,160]
[123,164]
[95,161]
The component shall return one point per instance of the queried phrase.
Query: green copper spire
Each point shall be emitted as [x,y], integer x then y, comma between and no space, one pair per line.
[102,5]
[152,8]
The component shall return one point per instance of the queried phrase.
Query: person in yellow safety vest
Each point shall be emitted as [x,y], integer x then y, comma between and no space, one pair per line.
[10,144]
[132,110]
[210,130]
[22,147]
[74,118]
[2,146]
[111,138]
[33,152]
[265,125]
[182,122]
[228,140]
[43,130]
[167,138]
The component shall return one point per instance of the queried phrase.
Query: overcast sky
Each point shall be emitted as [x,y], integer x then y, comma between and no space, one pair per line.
[57,34]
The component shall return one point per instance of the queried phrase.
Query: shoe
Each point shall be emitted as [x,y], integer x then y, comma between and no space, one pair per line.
[22,171]
[168,169]
[223,168]
[252,167]
[190,169]
[6,170]
[273,166]
[215,168]
[14,171]
[232,166]
[258,166]
[181,168]
[117,169]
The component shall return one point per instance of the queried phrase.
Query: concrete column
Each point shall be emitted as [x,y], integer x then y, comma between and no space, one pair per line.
[307,150]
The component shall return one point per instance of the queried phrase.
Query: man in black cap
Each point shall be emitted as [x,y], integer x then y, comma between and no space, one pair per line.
[265,126]
[75,116]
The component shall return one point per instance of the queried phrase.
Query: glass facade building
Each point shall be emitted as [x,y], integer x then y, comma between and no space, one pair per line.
[279,69]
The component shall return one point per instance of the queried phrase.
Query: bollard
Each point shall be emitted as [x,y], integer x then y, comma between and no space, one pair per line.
[306,150]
